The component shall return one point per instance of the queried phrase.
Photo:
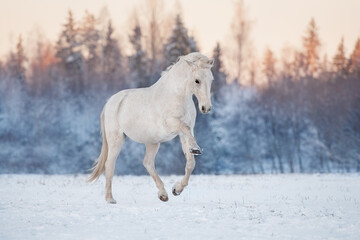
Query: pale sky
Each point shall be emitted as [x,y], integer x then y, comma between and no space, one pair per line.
[276,23]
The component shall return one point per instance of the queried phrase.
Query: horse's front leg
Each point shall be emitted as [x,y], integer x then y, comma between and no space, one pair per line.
[187,134]
[190,165]
[149,164]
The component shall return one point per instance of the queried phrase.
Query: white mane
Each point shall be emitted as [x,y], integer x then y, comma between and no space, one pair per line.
[197,59]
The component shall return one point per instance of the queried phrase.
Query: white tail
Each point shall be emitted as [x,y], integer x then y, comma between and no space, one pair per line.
[99,165]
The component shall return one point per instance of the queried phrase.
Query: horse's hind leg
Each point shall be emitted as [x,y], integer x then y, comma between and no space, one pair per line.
[149,164]
[115,142]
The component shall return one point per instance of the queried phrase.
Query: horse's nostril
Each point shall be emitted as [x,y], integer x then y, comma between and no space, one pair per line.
[203,108]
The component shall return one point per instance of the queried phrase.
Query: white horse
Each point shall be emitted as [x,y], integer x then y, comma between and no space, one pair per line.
[154,115]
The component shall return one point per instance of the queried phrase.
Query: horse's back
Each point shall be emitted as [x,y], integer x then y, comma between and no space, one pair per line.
[127,95]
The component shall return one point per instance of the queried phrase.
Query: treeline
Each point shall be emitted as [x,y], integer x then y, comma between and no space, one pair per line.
[299,113]
[305,117]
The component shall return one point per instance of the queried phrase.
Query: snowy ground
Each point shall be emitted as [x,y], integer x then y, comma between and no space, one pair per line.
[212,207]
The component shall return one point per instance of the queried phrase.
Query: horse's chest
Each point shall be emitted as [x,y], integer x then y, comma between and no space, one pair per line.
[188,119]
[190,114]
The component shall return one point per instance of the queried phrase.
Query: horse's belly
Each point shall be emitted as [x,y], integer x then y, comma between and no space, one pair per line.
[140,133]
[145,128]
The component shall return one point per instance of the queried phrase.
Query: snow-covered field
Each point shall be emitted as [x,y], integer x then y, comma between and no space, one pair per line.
[211,207]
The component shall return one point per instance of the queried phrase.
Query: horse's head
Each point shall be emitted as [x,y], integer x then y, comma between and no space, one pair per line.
[201,80]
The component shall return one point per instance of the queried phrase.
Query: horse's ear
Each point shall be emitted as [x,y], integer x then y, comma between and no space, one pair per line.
[211,61]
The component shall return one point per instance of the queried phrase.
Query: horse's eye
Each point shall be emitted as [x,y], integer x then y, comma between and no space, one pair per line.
[197,81]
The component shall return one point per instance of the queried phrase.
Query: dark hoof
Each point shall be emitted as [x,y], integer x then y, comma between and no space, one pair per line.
[175,193]
[111,200]
[195,151]
[164,198]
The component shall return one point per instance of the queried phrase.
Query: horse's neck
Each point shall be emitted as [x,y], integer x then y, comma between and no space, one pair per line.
[175,81]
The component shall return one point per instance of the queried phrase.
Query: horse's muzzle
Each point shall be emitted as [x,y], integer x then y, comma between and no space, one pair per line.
[205,109]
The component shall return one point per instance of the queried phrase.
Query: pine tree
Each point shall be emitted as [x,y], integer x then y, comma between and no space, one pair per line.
[137,61]
[311,44]
[67,41]
[179,43]
[339,61]
[2,69]
[16,62]
[112,63]
[218,71]
[41,67]
[193,44]
[68,51]
[239,57]
[325,63]
[154,35]
[354,63]
[21,59]
[90,40]
[269,66]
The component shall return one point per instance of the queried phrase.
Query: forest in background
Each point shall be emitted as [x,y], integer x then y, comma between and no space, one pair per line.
[298,112]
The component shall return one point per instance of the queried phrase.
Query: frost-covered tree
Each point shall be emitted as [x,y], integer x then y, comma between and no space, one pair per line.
[42,68]
[137,61]
[239,48]
[218,71]
[325,64]
[269,70]
[15,102]
[2,70]
[154,34]
[311,46]
[90,37]
[112,59]
[193,44]
[16,62]
[354,64]
[233,133]
[339,61]
[179,42]
[68,51]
